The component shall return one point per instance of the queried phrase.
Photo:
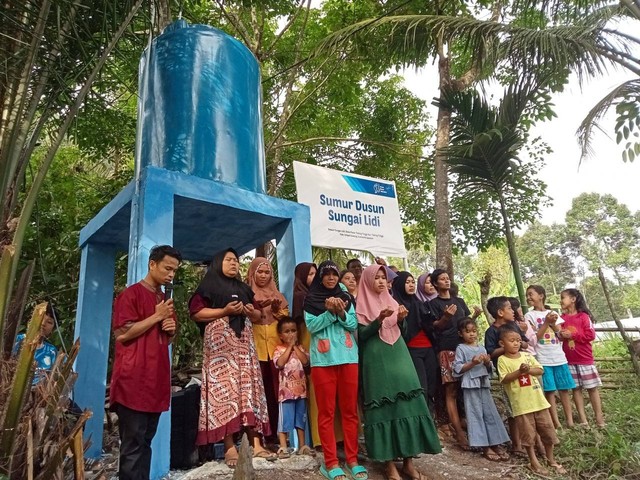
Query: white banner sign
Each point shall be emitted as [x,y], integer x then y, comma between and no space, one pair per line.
[350,211]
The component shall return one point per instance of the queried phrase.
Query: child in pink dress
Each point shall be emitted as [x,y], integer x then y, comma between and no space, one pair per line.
[290,358]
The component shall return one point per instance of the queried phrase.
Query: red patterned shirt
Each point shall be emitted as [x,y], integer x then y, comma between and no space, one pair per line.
[293,381]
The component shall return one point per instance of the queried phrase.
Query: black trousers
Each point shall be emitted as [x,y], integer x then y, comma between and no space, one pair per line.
[137,429]
[426,363]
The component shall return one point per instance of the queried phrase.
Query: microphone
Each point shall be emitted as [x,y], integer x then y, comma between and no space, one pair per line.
[168,291]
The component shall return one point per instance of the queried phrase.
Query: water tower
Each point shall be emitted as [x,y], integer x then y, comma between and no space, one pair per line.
[199,186]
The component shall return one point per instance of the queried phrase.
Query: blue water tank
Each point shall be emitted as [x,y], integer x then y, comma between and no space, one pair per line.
[199,110]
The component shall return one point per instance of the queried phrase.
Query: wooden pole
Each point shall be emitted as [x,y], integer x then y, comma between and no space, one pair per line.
[625,337]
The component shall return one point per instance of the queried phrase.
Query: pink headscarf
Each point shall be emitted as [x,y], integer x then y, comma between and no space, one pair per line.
[370,303]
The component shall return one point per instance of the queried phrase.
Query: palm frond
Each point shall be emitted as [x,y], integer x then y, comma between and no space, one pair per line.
[590,123]
[584,46]
[485,140]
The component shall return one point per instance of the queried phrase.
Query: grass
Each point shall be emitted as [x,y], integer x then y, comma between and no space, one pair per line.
[609,453]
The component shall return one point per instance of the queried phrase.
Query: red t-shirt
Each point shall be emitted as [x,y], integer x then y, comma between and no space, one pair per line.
[141,375]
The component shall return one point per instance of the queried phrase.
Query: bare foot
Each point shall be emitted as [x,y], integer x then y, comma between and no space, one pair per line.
[391,471]
[560,470]
[538,469]
[231,457]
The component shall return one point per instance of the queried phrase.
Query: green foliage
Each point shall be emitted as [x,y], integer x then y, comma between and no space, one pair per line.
[187,347]
[604,233]
[614,347]
[74,192]
[626,99]
[592,289]
[599,232]
[627,125]
[612,452]
[544,259]
[473,268]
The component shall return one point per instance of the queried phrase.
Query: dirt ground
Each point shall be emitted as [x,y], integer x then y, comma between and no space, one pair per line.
[451,464]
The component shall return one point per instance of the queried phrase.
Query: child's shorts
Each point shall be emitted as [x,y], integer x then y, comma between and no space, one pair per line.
[292,414]
[536,422]
[557,377]
[585,376]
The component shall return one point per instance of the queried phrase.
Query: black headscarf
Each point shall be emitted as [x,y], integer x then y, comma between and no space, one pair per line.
[318,293]
[419,317]
[218,290]
[300,289]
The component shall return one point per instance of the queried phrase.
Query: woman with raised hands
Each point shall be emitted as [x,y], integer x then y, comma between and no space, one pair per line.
[397,423]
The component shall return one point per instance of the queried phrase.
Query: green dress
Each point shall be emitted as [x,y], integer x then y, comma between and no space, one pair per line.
[397,422]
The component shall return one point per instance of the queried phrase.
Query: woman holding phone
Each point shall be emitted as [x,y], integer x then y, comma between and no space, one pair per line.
[232,393]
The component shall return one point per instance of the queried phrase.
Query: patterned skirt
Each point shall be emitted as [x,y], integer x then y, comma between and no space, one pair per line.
[232,393]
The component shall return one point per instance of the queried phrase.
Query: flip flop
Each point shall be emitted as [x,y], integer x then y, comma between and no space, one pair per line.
[268,456]
[504,456]
[492,457]
[306,450]
[332,474]
[357,470]
[283,453]
[519,454]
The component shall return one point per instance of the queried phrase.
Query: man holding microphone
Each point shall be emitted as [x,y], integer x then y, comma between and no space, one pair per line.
[144,323]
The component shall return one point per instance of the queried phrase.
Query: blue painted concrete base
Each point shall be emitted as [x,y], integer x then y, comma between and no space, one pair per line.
[197,216]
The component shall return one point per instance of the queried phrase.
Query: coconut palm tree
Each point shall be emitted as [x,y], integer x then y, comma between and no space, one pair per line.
[518,36]
[483,151]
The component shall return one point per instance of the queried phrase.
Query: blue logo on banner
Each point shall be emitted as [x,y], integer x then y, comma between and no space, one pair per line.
[372,187]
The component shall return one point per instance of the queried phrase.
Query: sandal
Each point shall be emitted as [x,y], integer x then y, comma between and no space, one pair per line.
[306,450]
[503,454]
[231,457]
[357,470]
[519,454]
[333,474]
[283,453]
[491,456]
[268,456]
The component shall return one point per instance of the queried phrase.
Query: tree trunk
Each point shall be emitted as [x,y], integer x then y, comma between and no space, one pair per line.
[511,246]
[485,289]
[625,337]
[444,250]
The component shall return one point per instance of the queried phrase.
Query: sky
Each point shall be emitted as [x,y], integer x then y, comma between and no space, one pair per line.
[566,178]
